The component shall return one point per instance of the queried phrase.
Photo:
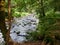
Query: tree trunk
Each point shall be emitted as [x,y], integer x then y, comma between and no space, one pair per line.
[42,8]
[9,20]
[2,18]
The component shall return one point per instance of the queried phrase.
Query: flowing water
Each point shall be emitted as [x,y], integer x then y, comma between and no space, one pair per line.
[22,25]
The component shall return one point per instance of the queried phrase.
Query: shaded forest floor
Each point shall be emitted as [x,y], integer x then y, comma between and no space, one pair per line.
[34,43]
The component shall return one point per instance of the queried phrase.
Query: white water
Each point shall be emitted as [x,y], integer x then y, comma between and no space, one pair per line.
[1,39]
[22,25]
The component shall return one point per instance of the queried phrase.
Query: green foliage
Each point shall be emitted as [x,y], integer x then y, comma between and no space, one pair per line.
[32,36]
[45,27]
[20,14]
[46,23]
[16,13]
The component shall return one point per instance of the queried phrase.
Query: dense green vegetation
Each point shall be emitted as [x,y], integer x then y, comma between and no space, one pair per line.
[47,11]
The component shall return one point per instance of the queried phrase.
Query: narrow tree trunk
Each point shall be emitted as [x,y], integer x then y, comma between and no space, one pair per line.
[42,12]
[42,9]
[9,19]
